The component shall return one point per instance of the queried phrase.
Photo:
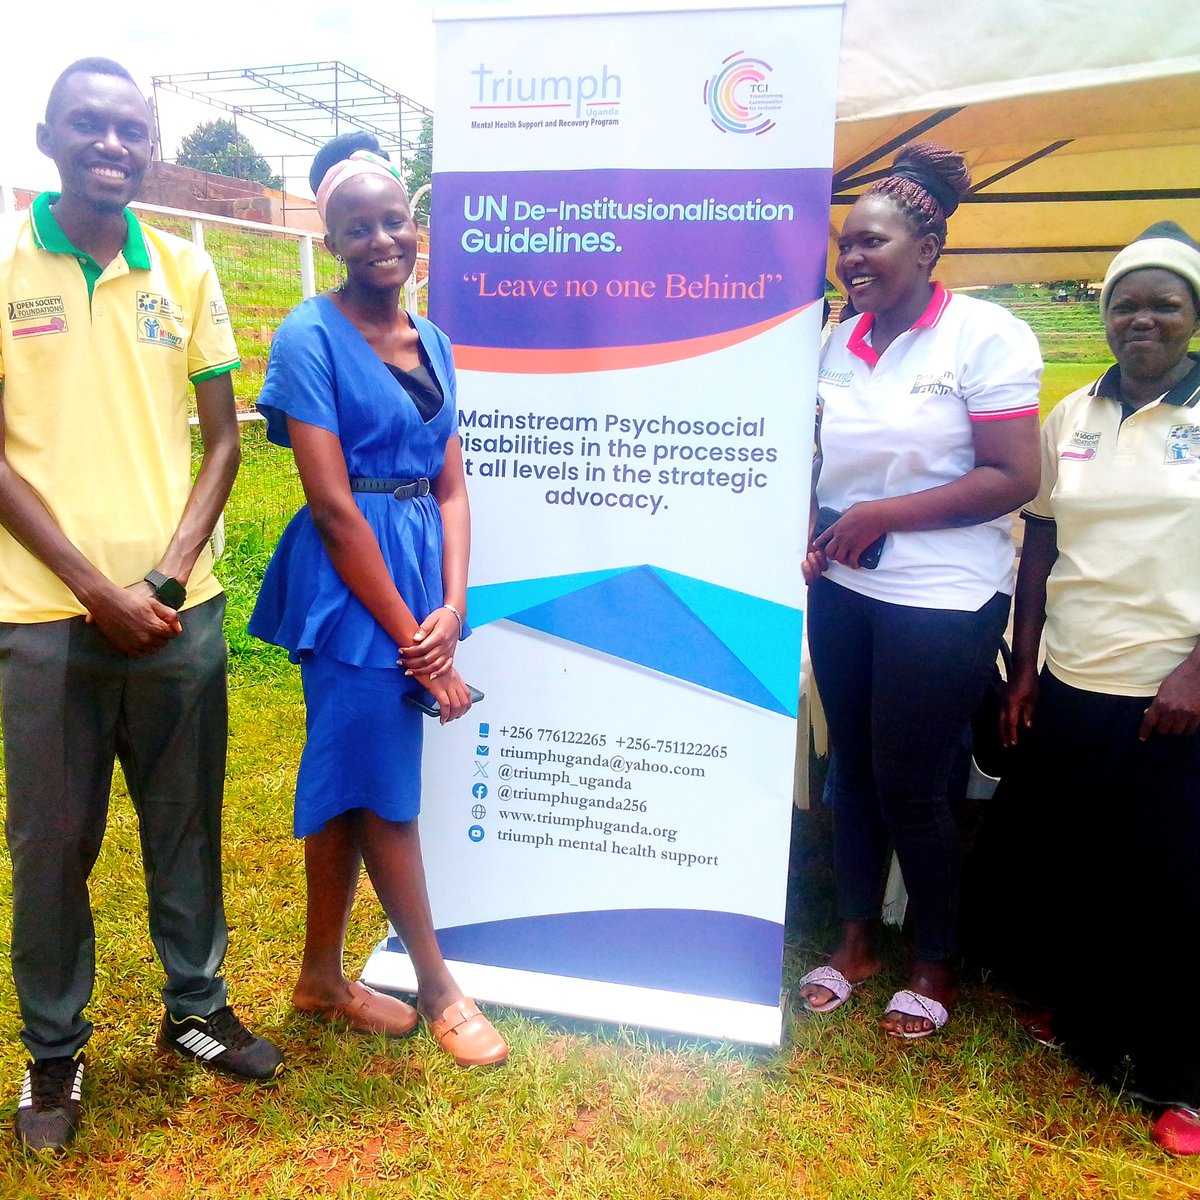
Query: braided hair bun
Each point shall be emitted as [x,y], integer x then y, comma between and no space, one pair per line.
[926,183]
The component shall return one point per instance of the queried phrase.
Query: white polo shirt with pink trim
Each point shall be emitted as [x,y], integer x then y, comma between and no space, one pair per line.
[900,422]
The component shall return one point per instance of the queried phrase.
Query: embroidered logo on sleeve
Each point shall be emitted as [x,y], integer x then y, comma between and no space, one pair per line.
[1082,447]
[220,314]
[1183,445]
[153,332]
[38,315]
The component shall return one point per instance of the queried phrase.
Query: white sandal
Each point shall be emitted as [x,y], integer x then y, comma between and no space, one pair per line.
[913,1004]
[832,980]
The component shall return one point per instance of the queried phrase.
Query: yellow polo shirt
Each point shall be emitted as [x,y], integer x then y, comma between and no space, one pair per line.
[1123,489]
[95,366]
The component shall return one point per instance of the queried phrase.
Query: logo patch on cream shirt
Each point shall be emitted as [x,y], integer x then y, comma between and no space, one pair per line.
[1082,447]
[1183,445]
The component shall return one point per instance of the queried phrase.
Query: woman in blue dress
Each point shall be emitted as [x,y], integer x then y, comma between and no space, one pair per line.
[367,592]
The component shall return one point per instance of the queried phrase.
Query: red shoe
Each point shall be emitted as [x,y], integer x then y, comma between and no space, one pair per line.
[1178,1131]
[1040,1026]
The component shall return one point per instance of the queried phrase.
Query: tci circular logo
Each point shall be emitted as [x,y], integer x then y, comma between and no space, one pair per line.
[475,833]
[479,812]
[740,96]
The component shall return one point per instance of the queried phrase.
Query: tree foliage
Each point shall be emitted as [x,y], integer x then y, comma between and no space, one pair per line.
[218,147]
[418,169]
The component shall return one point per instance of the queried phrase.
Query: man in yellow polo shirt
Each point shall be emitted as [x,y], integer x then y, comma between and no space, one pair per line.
[111,643]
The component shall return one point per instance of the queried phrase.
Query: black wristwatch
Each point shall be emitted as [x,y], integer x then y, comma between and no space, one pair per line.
[167,591]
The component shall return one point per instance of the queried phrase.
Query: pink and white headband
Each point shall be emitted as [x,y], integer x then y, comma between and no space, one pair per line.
[361,162]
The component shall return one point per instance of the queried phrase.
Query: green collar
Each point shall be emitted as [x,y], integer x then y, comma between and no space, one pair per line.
[48,235]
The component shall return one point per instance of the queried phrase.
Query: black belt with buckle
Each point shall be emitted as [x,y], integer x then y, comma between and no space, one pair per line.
[402,489]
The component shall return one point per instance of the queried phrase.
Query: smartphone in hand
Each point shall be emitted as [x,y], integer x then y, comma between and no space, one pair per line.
[869,558]
[429,706]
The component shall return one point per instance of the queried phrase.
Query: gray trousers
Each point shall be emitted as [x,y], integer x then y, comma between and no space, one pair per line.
[70,704]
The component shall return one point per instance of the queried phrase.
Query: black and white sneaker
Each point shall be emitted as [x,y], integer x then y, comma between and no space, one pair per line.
[222,1042]
[49,1110]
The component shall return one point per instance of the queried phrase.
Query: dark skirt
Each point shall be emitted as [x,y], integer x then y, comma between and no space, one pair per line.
[1083,894]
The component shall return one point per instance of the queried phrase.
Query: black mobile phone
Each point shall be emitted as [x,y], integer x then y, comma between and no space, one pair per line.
[429,706]
[869,558]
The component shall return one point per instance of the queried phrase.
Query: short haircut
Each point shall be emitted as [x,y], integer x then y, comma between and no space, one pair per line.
[84,66]
[338,149]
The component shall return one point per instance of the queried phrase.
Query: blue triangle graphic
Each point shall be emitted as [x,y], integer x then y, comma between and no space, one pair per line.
[766,636]
[494,601]
[635,616]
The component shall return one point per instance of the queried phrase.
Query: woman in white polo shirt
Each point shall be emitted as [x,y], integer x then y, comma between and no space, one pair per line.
[1095,840]
[928,439]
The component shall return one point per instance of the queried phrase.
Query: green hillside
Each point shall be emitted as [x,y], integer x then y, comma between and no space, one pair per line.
[260,276]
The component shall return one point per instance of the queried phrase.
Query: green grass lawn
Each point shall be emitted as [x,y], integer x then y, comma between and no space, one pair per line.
[582,1110]
[1061,379]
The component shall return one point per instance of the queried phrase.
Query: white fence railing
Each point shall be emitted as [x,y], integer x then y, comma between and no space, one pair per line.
[305,242]
[309,247]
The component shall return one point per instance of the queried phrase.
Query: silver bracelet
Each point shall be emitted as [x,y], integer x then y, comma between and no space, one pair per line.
[458,615]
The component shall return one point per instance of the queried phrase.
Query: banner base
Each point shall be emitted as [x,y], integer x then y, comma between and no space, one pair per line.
[672,1012]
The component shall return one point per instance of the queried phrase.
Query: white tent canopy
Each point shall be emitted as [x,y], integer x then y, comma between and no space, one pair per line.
[1080,120]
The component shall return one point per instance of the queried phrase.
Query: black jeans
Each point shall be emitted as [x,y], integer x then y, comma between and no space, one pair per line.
[899,685]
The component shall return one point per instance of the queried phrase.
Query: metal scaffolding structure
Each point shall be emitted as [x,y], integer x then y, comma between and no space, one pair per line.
[311,102]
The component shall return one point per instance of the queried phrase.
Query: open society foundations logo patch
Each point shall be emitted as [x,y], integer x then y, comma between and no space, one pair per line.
[740,98]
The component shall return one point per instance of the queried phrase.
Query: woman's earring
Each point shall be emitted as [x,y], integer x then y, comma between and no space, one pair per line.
[341,262]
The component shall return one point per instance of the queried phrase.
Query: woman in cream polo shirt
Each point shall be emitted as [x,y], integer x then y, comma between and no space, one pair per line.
[1100,819]
[928,439]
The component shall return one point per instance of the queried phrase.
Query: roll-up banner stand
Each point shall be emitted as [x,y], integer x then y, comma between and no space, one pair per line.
[630,218]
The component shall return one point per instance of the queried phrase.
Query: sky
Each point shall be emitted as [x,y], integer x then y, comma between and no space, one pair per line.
[390,40]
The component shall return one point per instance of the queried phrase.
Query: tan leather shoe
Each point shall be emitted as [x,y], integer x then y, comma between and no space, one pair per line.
[466,1034]
[369,1011]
